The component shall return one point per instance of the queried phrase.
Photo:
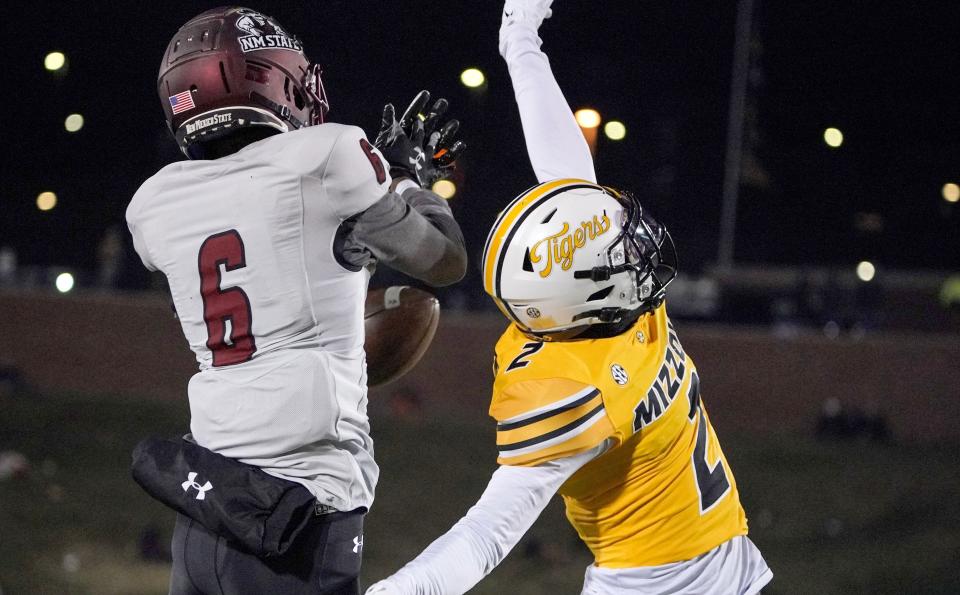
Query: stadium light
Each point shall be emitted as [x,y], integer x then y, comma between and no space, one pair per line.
[587,118]
[472,77]
[951,192]
[73,123]
[445,188]
[866,271]
[615,130]
[46,201]
[54,61]
[64,282]
[833,137]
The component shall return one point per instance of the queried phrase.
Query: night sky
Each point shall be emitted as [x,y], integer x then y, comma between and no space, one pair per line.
[886,76]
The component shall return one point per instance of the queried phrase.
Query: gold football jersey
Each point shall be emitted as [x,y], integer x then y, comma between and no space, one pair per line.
[664,491]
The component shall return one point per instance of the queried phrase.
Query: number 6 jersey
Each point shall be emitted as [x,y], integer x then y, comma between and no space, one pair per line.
[268,280]
[663,492]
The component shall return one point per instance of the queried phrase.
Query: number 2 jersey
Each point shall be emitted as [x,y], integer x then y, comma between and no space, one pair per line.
[269,292]
[663,492]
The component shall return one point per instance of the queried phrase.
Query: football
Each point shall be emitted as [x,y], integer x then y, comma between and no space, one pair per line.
[400,322]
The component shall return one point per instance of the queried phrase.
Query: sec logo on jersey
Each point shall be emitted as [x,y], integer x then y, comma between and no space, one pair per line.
[619,374]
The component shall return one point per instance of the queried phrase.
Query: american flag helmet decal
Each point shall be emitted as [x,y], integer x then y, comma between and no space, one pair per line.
[182,102]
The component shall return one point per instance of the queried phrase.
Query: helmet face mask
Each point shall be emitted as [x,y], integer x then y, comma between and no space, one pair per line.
[231,68]
[316,94]
[649,251]
[569,256]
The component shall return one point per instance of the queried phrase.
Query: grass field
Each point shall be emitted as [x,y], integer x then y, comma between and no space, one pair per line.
[830,518]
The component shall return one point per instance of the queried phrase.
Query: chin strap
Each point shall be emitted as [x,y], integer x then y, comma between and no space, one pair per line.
[603,273]
[282,111]
[624,322]
[604,315]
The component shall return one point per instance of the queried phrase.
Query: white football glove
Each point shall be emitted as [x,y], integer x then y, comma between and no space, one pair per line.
[531,12]
[382,588]
[527,13]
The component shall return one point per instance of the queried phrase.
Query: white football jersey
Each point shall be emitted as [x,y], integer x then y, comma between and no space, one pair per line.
[248,245]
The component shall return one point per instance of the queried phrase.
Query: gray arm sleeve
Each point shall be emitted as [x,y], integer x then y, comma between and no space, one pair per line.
[415,234]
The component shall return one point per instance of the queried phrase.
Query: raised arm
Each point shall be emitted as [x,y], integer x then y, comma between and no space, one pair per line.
[412,229]
[555,143]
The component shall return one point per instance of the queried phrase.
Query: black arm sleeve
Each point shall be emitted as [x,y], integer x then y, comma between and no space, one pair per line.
[416,235]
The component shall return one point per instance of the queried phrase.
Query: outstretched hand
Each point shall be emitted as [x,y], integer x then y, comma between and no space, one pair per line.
[519,15]
[420,147]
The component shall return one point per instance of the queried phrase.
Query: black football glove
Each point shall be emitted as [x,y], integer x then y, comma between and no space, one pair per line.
[423,150]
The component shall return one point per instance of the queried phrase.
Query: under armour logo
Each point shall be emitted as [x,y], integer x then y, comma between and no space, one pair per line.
[191,483]
[357,544]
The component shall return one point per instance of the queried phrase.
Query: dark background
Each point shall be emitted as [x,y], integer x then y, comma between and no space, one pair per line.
[884,74]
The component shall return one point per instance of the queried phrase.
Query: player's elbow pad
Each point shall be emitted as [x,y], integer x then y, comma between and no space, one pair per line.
[452,264]
[451,268]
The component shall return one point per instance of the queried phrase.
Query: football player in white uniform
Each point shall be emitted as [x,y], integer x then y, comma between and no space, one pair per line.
[266,236]
[594,396]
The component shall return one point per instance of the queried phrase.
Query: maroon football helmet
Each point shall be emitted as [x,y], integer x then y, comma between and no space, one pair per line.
[233,68]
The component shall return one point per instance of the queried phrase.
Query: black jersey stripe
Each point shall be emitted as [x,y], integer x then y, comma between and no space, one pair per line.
[548,414]
[553,434]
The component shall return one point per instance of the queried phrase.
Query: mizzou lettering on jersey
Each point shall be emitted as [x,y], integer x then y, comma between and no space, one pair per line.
[666,385]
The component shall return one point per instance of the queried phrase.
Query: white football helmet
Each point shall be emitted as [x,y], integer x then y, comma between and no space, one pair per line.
[570,254]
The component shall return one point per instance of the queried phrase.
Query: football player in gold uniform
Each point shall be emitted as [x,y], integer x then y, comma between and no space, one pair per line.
[594,394]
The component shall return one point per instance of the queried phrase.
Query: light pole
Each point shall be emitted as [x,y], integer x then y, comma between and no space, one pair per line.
[738,99]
